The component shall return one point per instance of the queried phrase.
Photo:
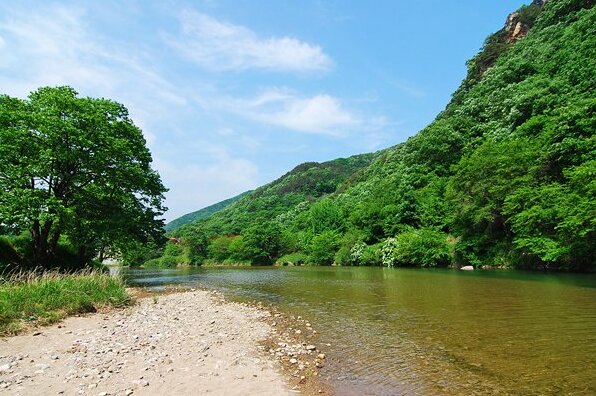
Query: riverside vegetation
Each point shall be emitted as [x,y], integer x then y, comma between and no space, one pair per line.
[29,299]
[76,187]
[504,176]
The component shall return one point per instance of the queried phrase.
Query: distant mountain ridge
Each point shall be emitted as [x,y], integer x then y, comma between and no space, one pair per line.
[306,183]
[202,213]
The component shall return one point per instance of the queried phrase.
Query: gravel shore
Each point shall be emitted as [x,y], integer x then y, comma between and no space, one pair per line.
[176,344]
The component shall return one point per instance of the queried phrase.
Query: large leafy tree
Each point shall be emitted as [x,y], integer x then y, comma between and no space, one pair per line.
[76,169]
[263,244]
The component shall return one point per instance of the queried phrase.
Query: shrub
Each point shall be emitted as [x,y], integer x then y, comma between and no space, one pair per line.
[166,262]
[347,244]
[323,247]
[296,258]
[372,255]
[356,253]
[171,261]
[421,247]
[219,248]
[9,258]
[152,263]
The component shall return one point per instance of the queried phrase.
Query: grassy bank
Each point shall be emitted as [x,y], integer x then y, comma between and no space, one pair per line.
[30,299]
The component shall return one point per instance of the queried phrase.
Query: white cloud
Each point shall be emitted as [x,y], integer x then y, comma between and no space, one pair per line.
[54,46]
[221,46]
[59,45]
[319,114]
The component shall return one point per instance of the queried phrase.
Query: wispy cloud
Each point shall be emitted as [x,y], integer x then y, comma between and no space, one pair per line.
[221,46]
[318,114]
[178,110]
[54,46]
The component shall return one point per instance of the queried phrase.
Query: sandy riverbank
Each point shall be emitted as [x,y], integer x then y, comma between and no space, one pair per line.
[186,343]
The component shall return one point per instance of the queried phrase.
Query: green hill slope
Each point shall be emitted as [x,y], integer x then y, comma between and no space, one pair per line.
[504,176]
[201,213]
[304,184]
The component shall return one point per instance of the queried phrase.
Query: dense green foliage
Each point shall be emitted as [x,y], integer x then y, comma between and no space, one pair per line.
[257,228]
[75,174]
[504,176]
[28,299]
[202,213]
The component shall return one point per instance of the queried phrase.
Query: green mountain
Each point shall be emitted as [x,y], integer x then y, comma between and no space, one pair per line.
[504,176]
[303,185]
[201,213]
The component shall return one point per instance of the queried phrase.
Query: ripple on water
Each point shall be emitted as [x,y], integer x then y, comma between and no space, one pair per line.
[395,331]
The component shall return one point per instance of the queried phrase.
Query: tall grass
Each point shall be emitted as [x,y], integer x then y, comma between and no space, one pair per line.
[29,299]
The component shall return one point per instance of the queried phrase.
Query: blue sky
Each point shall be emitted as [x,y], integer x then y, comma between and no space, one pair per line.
[232,94]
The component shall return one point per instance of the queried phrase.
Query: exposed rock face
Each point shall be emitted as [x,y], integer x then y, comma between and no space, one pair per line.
[515,28]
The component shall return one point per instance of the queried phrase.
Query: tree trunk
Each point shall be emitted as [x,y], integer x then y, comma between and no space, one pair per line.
[53,245]
[81,256]
[40,246]
[44,249]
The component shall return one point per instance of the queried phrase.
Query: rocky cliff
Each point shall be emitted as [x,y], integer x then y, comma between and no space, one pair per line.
[519,23]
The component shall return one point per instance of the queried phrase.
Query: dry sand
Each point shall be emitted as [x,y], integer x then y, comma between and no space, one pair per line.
[176,344]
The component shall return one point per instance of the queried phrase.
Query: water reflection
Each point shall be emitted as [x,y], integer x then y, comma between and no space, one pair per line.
[406,331]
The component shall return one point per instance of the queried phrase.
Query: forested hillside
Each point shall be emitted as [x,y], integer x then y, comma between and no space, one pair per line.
[504,176]
[201,213]
[239,232]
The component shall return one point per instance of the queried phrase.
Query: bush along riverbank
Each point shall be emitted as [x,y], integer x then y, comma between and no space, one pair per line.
[30,299]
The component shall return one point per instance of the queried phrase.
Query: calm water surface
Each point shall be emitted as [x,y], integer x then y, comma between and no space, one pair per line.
[400,331]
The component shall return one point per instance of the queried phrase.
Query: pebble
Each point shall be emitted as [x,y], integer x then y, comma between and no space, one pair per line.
[103,357]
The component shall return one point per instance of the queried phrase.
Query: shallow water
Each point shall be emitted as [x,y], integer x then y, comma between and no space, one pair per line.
[404,331]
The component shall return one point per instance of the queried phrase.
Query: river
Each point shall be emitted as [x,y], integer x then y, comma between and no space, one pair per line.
[421,332]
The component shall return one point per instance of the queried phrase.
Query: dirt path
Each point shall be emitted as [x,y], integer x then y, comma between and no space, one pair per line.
[177,344]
